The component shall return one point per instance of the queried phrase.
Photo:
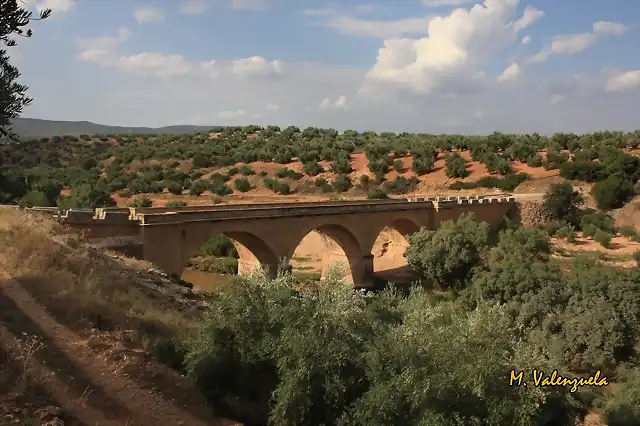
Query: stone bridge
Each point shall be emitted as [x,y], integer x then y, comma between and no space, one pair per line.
[268,234]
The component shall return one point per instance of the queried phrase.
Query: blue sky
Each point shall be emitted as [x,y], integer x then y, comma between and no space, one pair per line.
[403,65]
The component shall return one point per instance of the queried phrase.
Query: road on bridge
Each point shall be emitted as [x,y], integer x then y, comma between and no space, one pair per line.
[536,196]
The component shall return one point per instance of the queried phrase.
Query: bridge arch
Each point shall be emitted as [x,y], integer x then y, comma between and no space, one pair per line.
[389,249]
[253,252]
[330,245]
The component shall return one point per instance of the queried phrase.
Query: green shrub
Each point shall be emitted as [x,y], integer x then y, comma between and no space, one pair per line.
[167,352]
[422,165]
[377,194]
[242,185]
[622,407]
[219,265]
[341,165]
[603,238]
[175,188]
[567,232]
[176,204]
[589,230]
[143,202]
[281,188]
[364,181]
[341,183]
[219,246]
[586,171]
[198,187]
[233,171]
[456,166]
[600,220]
[554,226]
[636,257]
[449,253]
[223,189]
[562,202]
[628,231]
[312,168]
[200,160]
[457,186]
[534,161]
[245,170]
[269,183]
[401,185]
[36,199]
[612,193]
[288,173]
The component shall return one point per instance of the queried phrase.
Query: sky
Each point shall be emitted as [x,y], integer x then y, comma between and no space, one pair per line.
[432,66]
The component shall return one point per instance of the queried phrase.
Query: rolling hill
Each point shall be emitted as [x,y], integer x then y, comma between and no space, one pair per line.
[37,128]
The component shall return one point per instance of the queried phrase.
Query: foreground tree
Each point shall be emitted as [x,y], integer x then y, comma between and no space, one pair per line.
[562,202]
[449,254]
[13,22]
[284,353]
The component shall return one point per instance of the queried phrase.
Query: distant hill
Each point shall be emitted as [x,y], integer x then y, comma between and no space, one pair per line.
[36,128]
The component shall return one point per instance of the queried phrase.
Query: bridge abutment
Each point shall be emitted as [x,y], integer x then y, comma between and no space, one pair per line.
[163,246]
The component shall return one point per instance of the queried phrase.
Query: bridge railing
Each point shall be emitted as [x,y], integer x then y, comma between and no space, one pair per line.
[133,216]
[268,211]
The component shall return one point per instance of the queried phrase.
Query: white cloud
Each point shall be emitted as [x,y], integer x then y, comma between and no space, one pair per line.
[576,43]
[556,99]
[512,72]
[158,64]
[339,103]
[437,3]
[272,107]
[231,114]
[99,49]
[248,4]
[54,5]
[372,28]
[609,28]
[256,66]
[526,39]
[449,57]
[624,82]
[147,13]
[317,12]
[194,7]
[104,50]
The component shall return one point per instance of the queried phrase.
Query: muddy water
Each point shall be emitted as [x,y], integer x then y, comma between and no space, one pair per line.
[204,281]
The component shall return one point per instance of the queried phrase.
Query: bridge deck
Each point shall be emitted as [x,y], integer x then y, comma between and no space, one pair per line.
[166,215]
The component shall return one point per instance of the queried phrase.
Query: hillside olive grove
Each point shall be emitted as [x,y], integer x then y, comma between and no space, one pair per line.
[96,167]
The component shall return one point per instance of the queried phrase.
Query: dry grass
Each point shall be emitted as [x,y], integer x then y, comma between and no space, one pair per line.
[78,283]
[104,313]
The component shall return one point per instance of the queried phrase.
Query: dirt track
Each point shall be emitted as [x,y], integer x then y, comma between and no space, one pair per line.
[89,386]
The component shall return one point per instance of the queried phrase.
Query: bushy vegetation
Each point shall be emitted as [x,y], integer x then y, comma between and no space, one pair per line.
[220,246]
[286,352]
[34,172]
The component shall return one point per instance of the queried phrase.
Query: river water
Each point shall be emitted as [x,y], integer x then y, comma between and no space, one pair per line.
[203,281]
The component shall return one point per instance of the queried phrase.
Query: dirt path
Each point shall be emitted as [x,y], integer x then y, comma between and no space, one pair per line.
[88,386]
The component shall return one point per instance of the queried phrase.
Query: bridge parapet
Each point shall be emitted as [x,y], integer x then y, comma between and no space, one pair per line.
[45,210]
[265,211]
